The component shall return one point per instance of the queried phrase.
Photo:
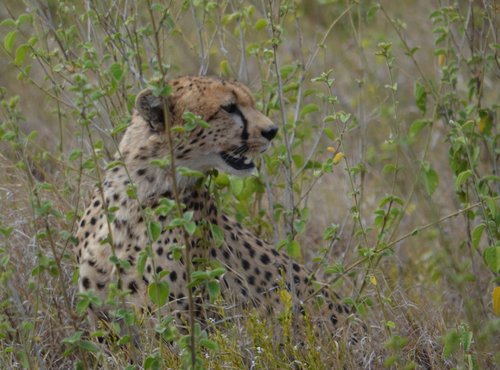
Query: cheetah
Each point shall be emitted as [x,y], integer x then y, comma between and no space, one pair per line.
[255,272]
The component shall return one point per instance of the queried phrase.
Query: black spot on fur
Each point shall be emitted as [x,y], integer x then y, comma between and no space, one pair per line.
[333,319]
[132,286]
[245,264]
[173,276]
[86,282]
[268,275]
[264,258]
[250,249]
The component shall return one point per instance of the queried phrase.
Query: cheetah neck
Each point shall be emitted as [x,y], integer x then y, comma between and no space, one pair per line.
[149,180]
[150,184]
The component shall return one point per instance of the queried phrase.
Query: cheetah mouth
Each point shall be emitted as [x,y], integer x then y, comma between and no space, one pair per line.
[239,163]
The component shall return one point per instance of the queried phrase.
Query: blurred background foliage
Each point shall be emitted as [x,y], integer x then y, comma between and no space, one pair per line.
[384,177]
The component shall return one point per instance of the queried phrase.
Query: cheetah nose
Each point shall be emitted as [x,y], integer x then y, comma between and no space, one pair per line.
[270,132]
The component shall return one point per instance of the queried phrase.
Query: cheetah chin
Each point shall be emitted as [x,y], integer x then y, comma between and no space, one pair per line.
[241,163]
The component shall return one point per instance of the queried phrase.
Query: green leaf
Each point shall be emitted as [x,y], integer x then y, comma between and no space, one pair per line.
[8,41]
[466,340]
[190,227]
[141,262]
[213,290]
[124,340]
[157,8]
[260,24]
[293,249]
[309,108]
[430,180]
[158,292]
[198,276]
[451,343]
[9,22]
[187,172]
[286,70]
[114,164]
[389,168]
[372,11]
[236,185]
[23,18]
[299,225]
[329,133]
[116,71]
[476,234]
[152,362]
[222,180]
[6,231]
[420,97]
[216,273]
[125,264]
[491,256]
[21,54]
[217,234]
[210,345]
[73,338]
[88,346]
[462,178]
[492,204]
[154,230]
[82,306]
[343,116]
[417,126]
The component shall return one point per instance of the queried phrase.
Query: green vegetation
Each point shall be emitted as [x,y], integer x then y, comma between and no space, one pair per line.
[384,177]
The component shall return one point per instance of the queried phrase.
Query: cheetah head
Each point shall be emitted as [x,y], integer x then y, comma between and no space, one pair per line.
[237,131]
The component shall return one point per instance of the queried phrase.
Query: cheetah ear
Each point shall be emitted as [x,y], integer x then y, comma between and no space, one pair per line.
[150,108]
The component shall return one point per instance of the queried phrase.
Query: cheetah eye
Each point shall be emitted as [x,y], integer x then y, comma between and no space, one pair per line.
[230,108]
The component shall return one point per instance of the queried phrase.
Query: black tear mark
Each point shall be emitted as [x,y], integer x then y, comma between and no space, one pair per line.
[234,109]
[244,133]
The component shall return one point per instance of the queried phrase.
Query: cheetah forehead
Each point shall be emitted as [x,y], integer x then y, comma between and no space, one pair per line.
[214,92]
